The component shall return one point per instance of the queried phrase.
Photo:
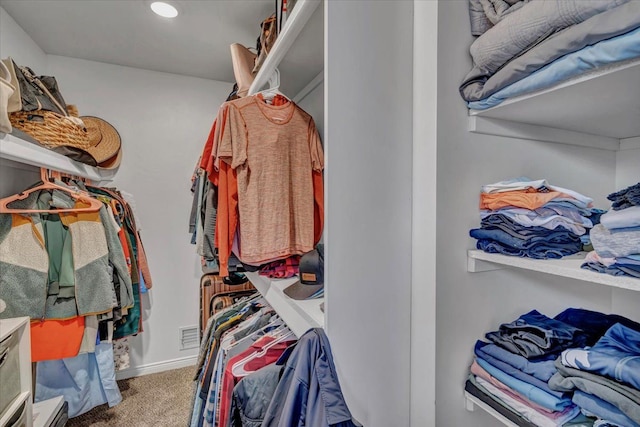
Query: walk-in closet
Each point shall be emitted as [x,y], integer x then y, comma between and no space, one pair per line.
[406,146]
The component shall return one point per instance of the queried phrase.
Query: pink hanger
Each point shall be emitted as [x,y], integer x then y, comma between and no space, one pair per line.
[94,204]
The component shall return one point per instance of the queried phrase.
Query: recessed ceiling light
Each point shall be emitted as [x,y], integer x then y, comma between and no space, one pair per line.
[164,9]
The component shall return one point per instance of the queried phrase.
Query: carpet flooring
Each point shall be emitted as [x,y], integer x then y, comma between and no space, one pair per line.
[158,400]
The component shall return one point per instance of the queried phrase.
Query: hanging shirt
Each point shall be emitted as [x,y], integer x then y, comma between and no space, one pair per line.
[257,358]
[274,151]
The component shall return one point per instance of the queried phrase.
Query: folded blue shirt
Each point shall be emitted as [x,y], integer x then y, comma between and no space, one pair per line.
[615,355]
[510,370]
[541,369]
[594,406]
[529,391]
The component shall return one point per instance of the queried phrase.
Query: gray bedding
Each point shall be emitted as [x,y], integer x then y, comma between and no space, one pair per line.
[480,84]
[529,25]
[484,14]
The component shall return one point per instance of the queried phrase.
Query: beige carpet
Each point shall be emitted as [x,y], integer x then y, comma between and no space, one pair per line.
[158,400]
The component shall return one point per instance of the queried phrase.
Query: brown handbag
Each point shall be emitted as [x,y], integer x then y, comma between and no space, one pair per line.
[268,36]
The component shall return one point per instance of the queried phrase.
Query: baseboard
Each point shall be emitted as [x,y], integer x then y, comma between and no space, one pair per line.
[153,368]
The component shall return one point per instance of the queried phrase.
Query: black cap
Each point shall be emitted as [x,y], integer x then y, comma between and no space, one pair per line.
[311,275]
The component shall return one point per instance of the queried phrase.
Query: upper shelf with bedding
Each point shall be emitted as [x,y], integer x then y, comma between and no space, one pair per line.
[600,109]
[566,72]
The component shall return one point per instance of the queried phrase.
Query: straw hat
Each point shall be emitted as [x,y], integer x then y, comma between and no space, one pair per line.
[113,162]
[105,142]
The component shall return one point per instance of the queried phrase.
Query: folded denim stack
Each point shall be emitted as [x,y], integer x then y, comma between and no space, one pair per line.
[616,240]
[526,218]
[520,371]
[604,378]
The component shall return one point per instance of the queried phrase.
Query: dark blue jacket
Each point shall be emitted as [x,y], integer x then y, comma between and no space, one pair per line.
[309,393]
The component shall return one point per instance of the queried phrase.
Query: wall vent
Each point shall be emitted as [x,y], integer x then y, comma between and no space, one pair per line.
[189,337]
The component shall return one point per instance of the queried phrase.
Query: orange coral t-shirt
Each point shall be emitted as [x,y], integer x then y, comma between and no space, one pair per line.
[529,199]
[277,155]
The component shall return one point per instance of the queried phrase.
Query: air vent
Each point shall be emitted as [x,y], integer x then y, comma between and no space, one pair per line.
[189,337]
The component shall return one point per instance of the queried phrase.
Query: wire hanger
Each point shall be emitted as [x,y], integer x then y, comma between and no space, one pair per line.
[94,204]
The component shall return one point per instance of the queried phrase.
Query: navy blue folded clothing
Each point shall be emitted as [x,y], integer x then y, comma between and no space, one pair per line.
[508,225]
[613,270]
[534,335]
[625,198]
[592,323]
[540,250]
[514,231]
[501,235]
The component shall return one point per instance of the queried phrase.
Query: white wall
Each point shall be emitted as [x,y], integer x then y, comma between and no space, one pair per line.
[368,140]
[470,304]
[313,103]
[14,42]
[163,120]
[628,164]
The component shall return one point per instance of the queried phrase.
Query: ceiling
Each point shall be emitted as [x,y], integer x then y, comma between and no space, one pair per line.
[127,32]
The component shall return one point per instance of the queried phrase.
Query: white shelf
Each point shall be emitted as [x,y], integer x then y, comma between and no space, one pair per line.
[479,261]
[9,326]
[45,412]
[19,150]
[599,109]
[472,401]
[298,51]
[15,405]
[299,315]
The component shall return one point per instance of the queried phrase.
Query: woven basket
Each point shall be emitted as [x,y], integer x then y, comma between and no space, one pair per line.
[50,129]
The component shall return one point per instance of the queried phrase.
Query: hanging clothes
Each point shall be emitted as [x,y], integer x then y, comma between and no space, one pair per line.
[25,274]
[77,274]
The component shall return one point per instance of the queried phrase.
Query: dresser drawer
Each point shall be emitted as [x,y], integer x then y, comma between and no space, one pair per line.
[9,371]
[20,417]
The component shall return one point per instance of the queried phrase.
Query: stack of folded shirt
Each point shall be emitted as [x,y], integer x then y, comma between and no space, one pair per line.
[538,371]
[511,372]
[526,218]
[616,240]
[605,378]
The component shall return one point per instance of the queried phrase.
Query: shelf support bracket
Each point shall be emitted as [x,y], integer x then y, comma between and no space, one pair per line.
[478,266]
[469,405]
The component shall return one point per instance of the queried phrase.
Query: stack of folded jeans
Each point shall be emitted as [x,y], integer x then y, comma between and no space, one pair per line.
[616,240]
[526,218]
[522,374]
[604,378]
